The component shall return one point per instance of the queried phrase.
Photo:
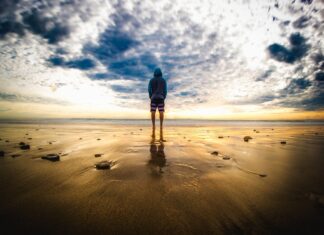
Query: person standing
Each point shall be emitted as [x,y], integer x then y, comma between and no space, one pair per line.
[157,90]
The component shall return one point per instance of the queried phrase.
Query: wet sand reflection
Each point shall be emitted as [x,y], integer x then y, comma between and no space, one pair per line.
[158,159]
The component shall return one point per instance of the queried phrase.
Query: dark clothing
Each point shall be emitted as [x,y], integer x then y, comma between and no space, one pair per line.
[157,88]
[157,103]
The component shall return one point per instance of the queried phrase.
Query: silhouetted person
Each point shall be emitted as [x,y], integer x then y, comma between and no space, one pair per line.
[157,90]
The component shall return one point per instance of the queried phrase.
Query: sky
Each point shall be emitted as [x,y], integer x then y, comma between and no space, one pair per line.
[235,59]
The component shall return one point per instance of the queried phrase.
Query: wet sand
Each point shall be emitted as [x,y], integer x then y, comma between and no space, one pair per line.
[152,187]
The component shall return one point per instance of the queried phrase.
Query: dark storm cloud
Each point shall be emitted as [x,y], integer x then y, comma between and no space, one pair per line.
[80,63]
[116,39]
[298,49]
[47,27]
[306,1]
[34,19]
[296,86]
[319,76]
[8,19]
[301,22]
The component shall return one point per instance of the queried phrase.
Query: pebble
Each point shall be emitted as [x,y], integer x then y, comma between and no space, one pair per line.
[247,138]
[283,142]
[103,165]
[214,153]
[25,147]
[2,153]
[15,155]
[52,157]
[98,155]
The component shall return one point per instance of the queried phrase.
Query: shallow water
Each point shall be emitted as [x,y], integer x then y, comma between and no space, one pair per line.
[172,187]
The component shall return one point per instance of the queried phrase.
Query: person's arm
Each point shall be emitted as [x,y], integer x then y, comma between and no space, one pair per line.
[165,91]
[150,89]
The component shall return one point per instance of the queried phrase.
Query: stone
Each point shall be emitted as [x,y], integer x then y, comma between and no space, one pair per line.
[7,141]
[2,153]
[98,139]
[283,142]
[52,157]
[25,147]
[214,153]
[247,138]
[104,165]
[98,154]
[220,137]
[22,143]
[15,155]
[226,158]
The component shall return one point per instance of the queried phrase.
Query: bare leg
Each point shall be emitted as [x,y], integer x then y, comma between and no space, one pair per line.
[153,123]
[161,125]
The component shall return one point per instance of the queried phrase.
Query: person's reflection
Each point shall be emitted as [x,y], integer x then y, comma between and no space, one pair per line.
[157,161]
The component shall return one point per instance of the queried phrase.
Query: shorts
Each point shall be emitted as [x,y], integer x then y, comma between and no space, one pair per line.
[157,104]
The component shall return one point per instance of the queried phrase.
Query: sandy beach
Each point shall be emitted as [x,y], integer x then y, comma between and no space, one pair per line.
[201,180]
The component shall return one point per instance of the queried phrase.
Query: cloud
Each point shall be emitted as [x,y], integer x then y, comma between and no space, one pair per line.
[29,99]
[81,63]
[298,49]
[319,76]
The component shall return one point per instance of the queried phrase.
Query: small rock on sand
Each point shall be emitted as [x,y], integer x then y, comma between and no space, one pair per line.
[220,137]
[30,138]
[15,155]
[103,165]
[40,148]
[22,143]
[80,138]
[25,147]
[214,153]
[2,153]
[98,154]
[98,139]
[52,157]
[50,142]
[226,158]
[247,138]
[7,141]
[283,142]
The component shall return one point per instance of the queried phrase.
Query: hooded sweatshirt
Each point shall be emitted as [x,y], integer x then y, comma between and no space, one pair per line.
[157,87]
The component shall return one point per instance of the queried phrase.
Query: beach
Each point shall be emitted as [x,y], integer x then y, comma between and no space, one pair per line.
[202,179]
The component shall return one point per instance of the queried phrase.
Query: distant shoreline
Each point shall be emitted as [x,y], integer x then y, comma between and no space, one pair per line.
[170,122]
